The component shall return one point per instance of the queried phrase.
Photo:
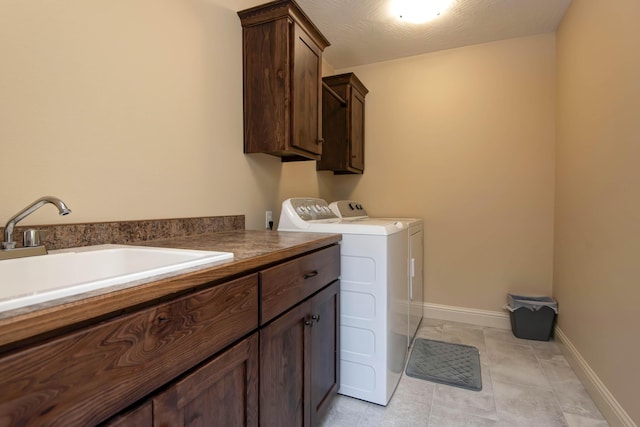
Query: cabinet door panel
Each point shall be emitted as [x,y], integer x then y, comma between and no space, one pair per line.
[307,95]
[266,86]
[325,355]
[356,125]
[334,122]
[284,371]
[223,392]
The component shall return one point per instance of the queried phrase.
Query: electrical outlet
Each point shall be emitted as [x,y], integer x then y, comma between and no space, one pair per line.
[268,220]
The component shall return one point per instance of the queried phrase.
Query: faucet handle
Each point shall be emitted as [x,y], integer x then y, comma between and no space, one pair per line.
[8,245]
[31,238]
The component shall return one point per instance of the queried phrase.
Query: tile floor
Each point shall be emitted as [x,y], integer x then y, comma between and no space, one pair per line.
[524,383]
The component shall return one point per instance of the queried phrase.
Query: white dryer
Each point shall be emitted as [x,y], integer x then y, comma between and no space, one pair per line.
[351,209]
[373,295]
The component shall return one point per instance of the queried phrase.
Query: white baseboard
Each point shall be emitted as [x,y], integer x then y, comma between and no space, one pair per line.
[602,397]
[494,319]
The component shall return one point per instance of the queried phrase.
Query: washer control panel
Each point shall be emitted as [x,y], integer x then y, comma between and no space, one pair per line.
[348,209]
[312,209]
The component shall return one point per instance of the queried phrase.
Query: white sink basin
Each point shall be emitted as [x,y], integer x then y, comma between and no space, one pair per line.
[32,280]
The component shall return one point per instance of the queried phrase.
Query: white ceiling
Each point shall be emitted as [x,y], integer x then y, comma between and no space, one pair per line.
[365,31]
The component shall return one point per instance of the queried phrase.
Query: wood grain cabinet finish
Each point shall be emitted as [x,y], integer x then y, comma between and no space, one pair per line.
[285,285]
[343,124]
[325,350]
[87,376]
[222,393]
[282,69]
[286,378]
[140,416]
[299,366]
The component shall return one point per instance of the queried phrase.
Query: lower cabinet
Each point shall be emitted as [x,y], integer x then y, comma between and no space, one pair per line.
[223,392]
[297,358]
[299,361]
[258,350]
[284,374]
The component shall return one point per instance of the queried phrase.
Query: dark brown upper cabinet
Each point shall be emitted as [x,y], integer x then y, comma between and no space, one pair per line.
[343,124]
[282,65]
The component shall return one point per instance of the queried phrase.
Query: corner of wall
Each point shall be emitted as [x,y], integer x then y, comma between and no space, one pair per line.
[602,397]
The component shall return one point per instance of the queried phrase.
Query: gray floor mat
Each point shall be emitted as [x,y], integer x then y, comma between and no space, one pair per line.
[446,363]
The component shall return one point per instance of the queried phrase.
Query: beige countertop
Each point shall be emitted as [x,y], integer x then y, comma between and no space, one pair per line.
[252,250]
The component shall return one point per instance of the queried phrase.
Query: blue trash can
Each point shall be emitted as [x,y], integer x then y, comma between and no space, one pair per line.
[532,318]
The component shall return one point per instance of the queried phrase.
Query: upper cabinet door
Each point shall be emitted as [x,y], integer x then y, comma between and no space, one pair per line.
[282,68]
[306,93]
[356,130]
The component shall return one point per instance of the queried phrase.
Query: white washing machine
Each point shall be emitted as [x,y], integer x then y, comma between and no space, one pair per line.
[351,209]
[373,296]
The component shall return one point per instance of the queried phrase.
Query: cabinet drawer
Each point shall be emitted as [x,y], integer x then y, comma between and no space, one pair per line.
[87,376]
[286,284]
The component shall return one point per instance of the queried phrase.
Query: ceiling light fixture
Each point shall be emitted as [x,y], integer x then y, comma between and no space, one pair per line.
[419,11]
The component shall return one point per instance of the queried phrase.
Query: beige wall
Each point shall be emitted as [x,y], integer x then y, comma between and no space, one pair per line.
[130,109]
[597,239]
[464,138]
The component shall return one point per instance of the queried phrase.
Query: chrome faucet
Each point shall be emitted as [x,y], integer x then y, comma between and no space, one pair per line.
[9,243]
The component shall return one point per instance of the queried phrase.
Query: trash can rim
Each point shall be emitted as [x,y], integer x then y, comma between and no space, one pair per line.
[530,302]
